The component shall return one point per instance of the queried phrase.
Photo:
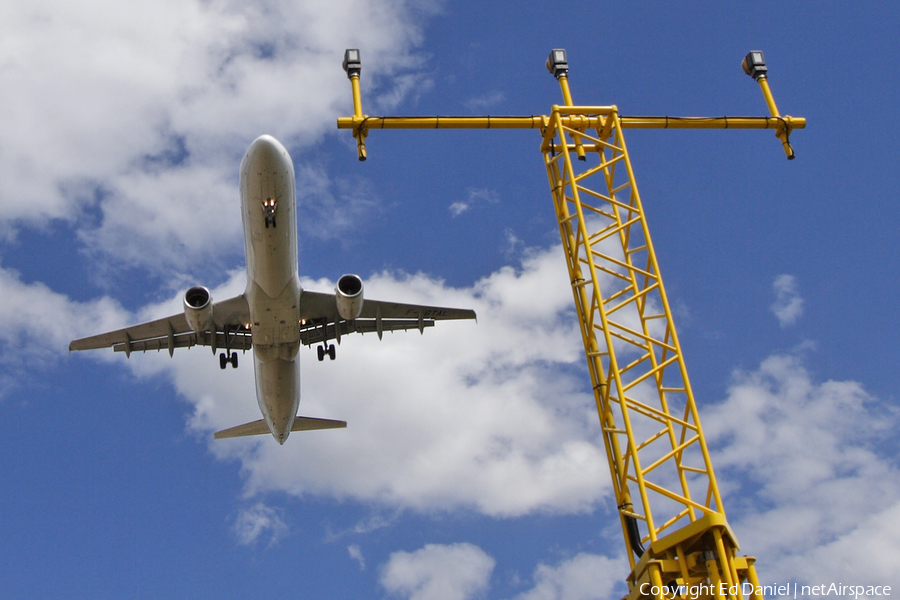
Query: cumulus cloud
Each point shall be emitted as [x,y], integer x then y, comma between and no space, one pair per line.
[490,416]
[463,571]
[485,102]
[257,521]
[332,208]
[788,305]
[475,196]
[494,417]
[810,492]
[356,554]
[39,324]
[583,577]
[129,121]
[438,572]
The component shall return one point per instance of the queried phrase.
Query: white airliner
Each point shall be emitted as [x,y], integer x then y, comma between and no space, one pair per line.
[274,315]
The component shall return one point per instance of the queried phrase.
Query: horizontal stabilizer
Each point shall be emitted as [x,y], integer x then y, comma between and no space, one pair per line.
[260,427]
[310,423]
[253,428]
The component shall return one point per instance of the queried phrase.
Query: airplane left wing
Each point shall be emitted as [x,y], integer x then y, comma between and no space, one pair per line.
[230,317]
[321,321]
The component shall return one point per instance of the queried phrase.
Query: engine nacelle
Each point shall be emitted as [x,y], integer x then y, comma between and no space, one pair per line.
[198,309]
[349,296]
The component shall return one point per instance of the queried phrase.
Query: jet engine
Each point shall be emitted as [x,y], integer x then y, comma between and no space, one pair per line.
[198,309]
[349,296]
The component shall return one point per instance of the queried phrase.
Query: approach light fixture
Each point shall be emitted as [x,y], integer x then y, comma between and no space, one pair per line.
[557,64]
[352,64]
[754,64]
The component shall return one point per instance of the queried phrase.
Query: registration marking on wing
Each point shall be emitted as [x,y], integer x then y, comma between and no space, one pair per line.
[427,313]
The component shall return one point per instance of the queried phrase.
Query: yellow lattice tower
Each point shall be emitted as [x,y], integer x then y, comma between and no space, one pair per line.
[651,427]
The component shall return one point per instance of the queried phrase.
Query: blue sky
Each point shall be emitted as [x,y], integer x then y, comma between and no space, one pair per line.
[472,465]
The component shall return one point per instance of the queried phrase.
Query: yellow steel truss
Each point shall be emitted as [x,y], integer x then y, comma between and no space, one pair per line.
[651,429]
[648,415]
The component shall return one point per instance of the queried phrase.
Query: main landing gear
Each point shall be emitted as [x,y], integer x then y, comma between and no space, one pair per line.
[323,350]
[224,360]
[228,356]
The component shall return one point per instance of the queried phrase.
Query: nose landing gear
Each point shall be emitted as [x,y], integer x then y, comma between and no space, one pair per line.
[269,210]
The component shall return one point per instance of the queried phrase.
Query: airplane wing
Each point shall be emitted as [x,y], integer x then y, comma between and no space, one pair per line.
[321,321]
[173,332]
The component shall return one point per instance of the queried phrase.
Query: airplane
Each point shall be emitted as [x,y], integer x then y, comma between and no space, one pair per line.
[274,315]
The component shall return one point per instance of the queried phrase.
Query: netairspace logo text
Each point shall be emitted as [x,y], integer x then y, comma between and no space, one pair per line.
[768,591]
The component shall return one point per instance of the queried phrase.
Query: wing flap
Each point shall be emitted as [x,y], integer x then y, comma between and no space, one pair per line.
[240,340]
[315,334]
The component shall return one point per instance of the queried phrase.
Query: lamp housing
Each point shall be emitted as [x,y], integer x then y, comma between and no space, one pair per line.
[557,63]
[754,64]
[352,63]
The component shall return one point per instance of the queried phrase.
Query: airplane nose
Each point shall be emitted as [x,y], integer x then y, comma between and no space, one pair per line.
[266,149]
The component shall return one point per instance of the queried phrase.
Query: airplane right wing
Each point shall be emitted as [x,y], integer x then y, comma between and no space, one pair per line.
[321,321]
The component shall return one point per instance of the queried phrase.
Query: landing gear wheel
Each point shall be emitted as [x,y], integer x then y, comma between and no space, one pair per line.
[321,351]
[331,352]
[223,360]
[233,360]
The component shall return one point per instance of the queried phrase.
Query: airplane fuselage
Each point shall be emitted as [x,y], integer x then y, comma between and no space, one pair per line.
[269,215]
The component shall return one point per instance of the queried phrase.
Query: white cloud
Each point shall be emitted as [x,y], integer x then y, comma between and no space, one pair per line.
[474,197]
[583,577]
[513,244]
[333,208]
[38,325]
[130,121]
[490,416]
[438,572]
[458,208]
[257,521]
[810,494]
[493,417]
[788,305]
[463,571]
[485,102]
[356,554]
